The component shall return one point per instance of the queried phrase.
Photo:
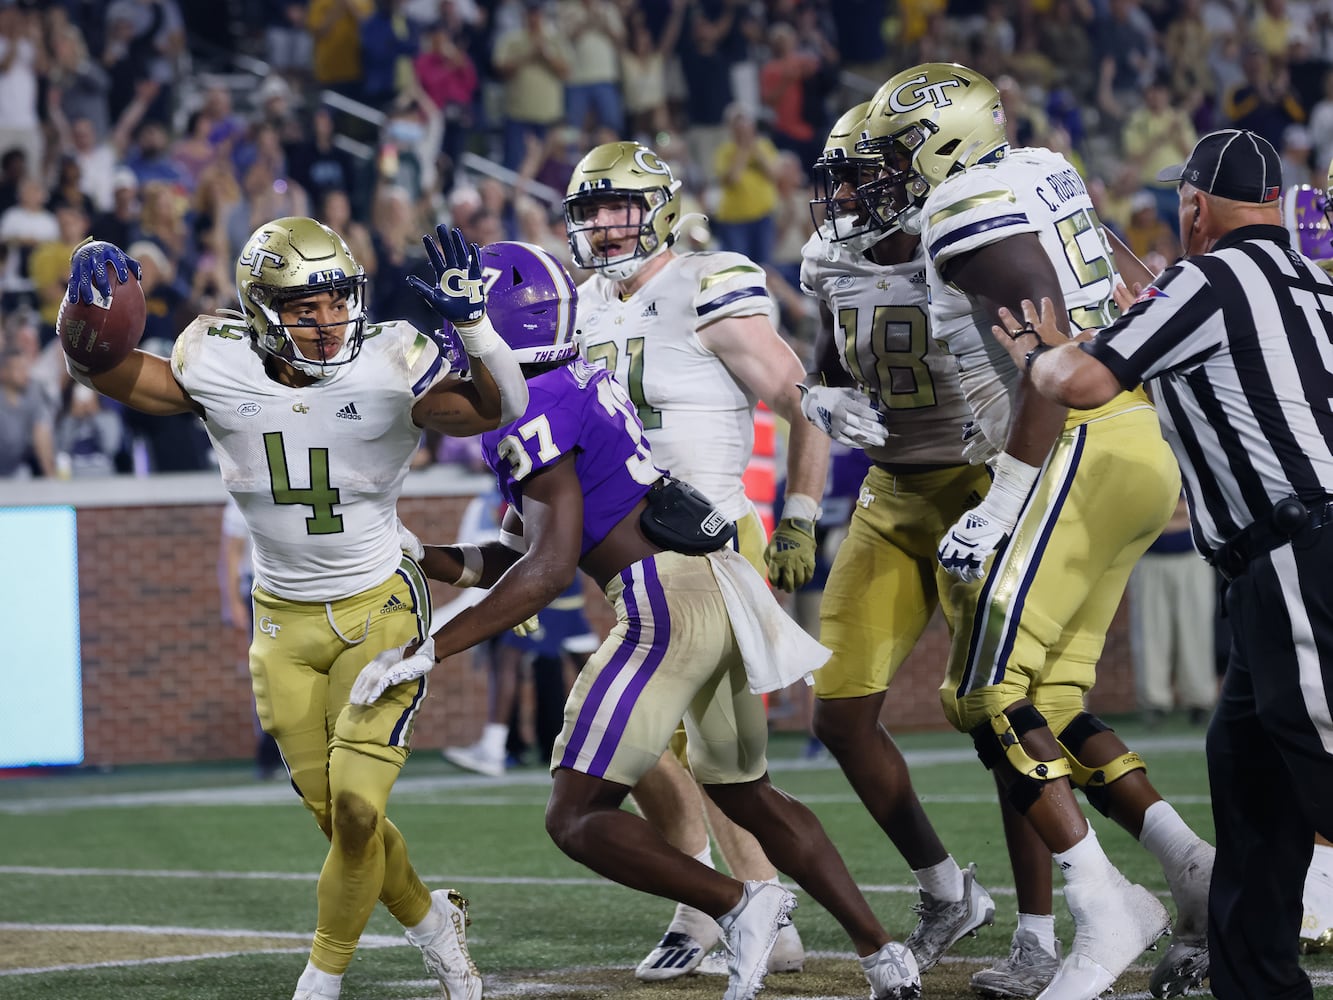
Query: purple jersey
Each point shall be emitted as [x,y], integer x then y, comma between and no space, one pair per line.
[583,411]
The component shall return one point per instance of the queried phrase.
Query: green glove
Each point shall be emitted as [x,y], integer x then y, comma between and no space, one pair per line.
[790,555]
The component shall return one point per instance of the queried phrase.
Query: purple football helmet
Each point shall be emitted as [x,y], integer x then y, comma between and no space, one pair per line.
[530,299]
[1305,214]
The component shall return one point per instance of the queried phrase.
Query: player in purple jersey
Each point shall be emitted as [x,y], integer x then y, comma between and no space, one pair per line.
[697,633]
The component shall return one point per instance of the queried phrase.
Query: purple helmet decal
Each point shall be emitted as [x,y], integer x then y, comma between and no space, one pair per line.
[1305,214]
[530,299]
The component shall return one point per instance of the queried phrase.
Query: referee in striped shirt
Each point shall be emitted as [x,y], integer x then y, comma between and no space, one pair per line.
[1236,343]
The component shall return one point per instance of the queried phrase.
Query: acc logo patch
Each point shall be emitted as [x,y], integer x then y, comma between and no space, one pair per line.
[248,408]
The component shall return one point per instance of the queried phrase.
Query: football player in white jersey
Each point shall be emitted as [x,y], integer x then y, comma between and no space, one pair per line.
[314,414]
[882,383]
[1306,214]
[1077,497]
[691,336]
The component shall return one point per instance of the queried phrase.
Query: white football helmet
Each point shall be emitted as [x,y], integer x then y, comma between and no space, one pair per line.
[923,125]
[293,258]
[631,179]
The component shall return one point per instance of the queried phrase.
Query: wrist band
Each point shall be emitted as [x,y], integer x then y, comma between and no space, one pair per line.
[800,507]
[1034,354]
[472,565]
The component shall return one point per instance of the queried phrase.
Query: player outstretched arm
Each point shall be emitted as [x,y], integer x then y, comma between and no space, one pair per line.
[761,360]
[523,584]
[142,381]
[497,393]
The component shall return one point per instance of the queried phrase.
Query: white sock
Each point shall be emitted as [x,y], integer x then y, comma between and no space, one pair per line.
[1043,926]
[1168,839]
[943,881]
[317,979]
[1322,862]
[1086,863]
[696,923]
[430,924]
[495,736]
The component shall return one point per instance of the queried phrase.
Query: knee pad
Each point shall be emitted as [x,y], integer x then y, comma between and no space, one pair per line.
[1094,780]
[1000,738]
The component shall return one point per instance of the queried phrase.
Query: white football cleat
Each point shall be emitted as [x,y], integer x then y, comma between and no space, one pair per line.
[1185,964]
[751,935]
[892,973]
[1317,921]
[677,954]
[1113,925]
[445,950]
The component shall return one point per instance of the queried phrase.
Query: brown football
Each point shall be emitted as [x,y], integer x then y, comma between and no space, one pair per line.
[99,336]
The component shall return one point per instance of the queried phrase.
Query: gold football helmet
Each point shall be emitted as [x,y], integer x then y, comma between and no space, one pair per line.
[923,125]
[290,259]
[839,215]
[630,179]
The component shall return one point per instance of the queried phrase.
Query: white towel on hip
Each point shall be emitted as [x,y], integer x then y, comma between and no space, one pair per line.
[776,651]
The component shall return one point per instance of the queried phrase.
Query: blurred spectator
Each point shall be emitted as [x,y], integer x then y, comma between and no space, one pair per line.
[77,85]
[335,31]
[1147,232]
[335,211]
[396,229]
[1271,27]
[447,76]
[22,62]
[317,164]
[792,223]
[194,151]
[22,228]
[1263,101]
[1185,49]
[25,419]
[1024,124]
[287,43]
[859,30]
[1295,151]
[1157,135]
[710,47]
[644,66]
[783,82]
[389,43]
[746,165]
[145,38]
[151,160]
[48,266]
[120,224]
[162,221]
[68,188]
[597,36]
[98,156]
[534,62]
[409,145]
[1125,57]
[551,161]
[1321,125]
[89,437]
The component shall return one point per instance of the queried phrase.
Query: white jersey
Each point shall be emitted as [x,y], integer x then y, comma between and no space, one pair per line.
[1028,191]
[316,471]
[881,327]
[698,417]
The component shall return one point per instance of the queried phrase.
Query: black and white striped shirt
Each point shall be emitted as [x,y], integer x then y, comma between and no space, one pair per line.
[1239,345]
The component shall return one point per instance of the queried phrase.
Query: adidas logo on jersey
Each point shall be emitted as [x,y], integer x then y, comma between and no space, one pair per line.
[348,412]
[393,603]
[649,310]
[918,279]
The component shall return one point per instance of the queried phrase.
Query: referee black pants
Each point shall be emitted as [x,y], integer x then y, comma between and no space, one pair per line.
[1270,768]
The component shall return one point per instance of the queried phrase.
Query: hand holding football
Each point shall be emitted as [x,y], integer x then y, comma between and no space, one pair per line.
[101,319]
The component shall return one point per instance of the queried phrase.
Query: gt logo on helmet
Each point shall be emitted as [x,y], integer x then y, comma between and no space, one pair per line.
[647,161]
[922,93]
[256,256]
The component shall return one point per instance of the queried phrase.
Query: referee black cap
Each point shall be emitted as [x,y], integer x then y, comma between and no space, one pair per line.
[1232,163]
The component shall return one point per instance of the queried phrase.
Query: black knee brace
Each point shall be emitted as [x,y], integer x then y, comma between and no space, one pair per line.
[1000,738]
[1094,780]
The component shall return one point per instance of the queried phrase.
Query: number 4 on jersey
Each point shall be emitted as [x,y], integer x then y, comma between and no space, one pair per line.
[320,495]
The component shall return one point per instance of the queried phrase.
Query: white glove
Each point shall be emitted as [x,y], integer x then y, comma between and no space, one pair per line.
[977,448]
[969,543]
[410,543]
[389,669]
[843,414]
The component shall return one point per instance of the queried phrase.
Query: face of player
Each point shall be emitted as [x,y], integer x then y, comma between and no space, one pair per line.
[317,324]
[612,225]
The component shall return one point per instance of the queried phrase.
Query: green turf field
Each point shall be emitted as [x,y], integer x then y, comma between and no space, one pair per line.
[198,883]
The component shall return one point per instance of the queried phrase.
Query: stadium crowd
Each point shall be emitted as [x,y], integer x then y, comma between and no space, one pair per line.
[174,129]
